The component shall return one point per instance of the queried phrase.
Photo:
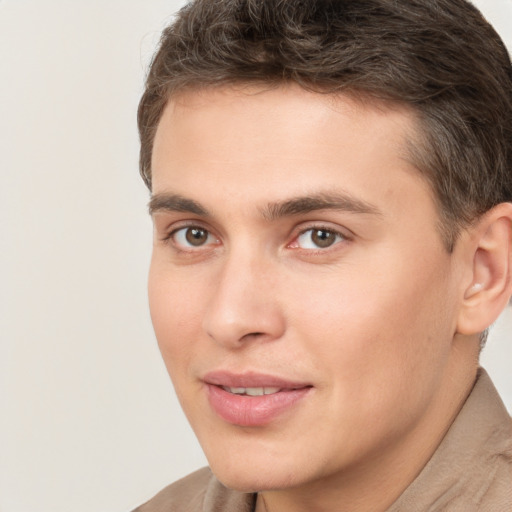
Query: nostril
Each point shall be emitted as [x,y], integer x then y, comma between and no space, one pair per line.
[252,335]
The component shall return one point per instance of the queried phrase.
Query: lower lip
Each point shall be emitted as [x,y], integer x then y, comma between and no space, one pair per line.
[252,411]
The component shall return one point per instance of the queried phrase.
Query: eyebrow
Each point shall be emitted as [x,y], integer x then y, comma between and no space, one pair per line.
[338,201]
[300,205]
[175,203]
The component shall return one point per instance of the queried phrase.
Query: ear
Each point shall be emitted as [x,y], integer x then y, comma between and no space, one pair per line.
[490,285]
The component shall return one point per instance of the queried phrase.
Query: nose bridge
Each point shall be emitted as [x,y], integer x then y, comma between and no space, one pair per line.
[243,302]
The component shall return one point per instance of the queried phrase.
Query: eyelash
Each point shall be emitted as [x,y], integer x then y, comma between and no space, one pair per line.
[294,244]
[170,237]
[339,237]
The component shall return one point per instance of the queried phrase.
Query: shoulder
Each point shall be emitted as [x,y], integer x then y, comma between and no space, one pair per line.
[198,492]
[497,486]
[471,471]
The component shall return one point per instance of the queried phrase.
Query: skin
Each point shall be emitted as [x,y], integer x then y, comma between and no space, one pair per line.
[369,321]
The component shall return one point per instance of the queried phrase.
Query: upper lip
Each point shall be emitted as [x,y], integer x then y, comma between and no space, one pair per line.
[250,379]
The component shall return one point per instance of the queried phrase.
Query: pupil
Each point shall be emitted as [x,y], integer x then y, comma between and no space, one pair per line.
[322,238]
[196,236]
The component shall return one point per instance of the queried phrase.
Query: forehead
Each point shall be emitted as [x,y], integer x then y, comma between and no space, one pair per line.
[282,141]
[280,104]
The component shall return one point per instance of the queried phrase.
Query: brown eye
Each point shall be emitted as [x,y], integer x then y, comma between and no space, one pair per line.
[316,238]
[193,237]
[323,238]
[196,236]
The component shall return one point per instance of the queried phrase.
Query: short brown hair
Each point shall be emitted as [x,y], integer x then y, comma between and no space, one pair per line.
[438,56]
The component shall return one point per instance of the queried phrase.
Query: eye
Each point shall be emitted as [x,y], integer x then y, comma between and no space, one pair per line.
[318,238]
[192,236]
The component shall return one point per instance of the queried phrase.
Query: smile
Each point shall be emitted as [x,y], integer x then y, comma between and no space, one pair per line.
[252,399]
[251,391]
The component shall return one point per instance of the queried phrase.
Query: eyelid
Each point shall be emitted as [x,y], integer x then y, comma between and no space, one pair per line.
[180,238]
[170,231]
[166,226]
[345,234]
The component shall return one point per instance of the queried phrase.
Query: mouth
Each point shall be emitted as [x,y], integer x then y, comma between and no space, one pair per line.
[251,391]
[252,400]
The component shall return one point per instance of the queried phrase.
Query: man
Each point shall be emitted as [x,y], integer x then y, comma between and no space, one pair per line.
[331,191]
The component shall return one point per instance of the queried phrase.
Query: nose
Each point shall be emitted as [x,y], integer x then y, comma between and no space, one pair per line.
[244,305]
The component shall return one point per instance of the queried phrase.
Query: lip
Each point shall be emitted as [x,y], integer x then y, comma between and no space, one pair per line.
[252,411]
[250,380]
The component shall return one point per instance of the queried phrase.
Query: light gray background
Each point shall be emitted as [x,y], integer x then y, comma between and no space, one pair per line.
[88,419]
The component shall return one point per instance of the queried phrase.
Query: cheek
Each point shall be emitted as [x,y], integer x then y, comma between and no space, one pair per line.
[176,314]
[369,339]
[375,322]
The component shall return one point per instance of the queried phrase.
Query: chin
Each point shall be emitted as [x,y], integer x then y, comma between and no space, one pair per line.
[245,476]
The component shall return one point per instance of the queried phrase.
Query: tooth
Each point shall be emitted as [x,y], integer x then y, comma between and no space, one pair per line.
[251,391]
[254,391]
[237,391]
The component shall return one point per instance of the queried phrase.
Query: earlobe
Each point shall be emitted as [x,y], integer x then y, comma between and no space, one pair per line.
[491,284]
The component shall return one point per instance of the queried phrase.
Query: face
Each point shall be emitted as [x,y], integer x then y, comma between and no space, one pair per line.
[301,295]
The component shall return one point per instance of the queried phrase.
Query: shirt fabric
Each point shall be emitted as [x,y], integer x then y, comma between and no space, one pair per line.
[471,470]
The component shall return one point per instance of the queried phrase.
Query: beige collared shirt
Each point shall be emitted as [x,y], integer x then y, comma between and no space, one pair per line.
[471,470]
